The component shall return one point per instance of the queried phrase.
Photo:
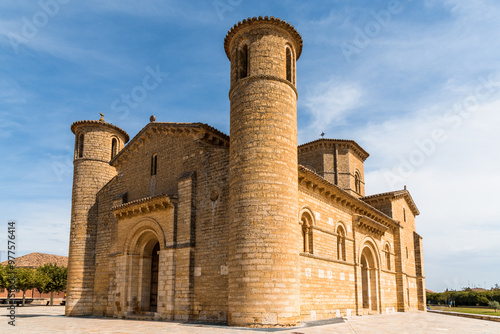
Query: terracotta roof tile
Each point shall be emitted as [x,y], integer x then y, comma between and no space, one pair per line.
[35,260]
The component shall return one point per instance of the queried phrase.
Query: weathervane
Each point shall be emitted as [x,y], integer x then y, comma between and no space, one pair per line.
[322,134]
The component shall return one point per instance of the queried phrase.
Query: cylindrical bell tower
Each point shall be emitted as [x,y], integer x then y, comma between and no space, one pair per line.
[265,237]
[96,144]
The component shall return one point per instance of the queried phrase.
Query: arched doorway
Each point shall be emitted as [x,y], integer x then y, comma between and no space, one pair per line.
[139,270]
[143,267]
[369,280]
[153,290]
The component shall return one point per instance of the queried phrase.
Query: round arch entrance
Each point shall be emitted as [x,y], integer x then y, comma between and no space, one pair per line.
[143,265]
[369,280]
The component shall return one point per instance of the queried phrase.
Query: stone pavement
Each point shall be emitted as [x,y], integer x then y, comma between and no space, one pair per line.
[46,319]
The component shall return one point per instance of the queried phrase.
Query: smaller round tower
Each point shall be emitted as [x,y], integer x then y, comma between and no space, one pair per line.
[96,144]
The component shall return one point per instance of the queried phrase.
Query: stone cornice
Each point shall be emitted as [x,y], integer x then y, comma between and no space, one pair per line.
[330,143]
[77,124]
[370,225]
[312,181]
[198,131]
[143,206]
[263,20]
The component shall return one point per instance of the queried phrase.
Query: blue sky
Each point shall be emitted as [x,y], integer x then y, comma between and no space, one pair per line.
[416,83]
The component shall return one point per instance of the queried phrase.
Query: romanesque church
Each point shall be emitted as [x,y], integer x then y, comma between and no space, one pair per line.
[184,222]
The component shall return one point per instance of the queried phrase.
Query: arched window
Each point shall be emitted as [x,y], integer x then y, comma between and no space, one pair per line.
[341,243]
[114,147]
[387,251]
[357,182]
[243,62]
[307,235]
[154,164]
[288,64]
[80,145]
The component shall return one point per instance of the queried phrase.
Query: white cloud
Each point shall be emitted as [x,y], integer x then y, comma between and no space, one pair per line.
[329,103]
[437,65]
[455,186]
[41,226]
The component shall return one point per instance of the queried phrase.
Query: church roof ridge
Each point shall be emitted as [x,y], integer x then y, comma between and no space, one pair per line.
[215,134]
[396,194]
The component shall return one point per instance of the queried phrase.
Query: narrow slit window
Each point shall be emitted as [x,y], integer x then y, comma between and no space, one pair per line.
[80,145]
[114,148]
[404,214]
[154,164]
[288,64]
[243,62]
[341,243]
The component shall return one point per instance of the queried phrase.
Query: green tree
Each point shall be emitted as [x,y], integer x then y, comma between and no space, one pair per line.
[25,280]
[482,300]
[6,279]
[41,280]
[494,305]
[51,278]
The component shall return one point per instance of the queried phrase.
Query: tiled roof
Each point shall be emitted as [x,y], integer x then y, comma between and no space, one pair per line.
[35,260]
[112,126]
[395,194]
[326,142]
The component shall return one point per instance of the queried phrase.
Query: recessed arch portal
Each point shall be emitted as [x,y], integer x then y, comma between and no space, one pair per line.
[369,277]
[143,247]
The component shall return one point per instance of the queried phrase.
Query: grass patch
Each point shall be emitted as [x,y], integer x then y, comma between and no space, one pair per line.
[471,310]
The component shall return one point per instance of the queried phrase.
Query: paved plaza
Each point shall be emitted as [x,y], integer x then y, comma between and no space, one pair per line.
[46,319]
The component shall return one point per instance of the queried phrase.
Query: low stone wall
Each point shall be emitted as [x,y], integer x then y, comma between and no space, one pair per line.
[468,315]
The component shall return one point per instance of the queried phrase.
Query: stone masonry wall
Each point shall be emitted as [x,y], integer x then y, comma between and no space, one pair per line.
[200,264]
[331,287]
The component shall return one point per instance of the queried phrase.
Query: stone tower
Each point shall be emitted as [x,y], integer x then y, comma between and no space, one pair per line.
[265,237]
[96,144]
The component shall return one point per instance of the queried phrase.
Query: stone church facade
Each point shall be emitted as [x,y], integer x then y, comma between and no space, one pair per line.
[186,223]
